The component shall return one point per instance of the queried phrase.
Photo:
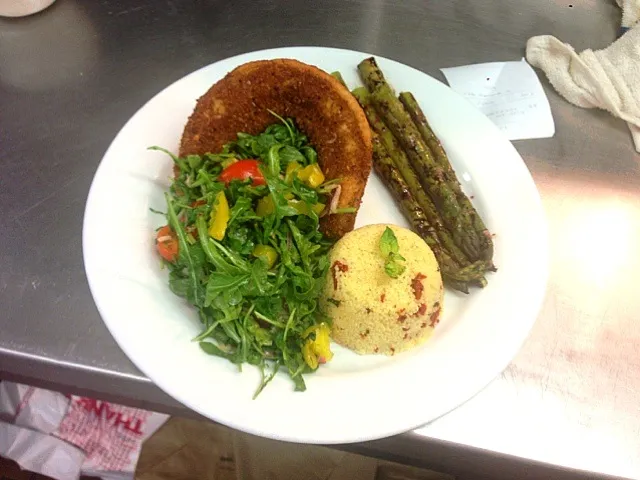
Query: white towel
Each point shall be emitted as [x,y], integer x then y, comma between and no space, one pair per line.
[630,12]
[607,79]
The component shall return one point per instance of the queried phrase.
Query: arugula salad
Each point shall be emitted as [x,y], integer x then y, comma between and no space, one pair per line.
[242,245]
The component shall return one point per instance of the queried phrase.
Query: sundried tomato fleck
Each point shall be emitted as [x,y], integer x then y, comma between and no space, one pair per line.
[402,316]
[382,297]
[422,325]
[406,335]
[405,329]
[435,318]
[337,266]
[421,310]
[417,286]
[375,350]
[343,267]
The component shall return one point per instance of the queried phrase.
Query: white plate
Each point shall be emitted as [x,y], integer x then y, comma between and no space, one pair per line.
[353,398]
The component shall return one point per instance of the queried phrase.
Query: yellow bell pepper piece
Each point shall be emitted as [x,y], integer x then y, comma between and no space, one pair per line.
[318,208]
[219,217]
[292,167]
[303,208]
[229,161]
[266,253]
[311,175]
[317,350]
[310,358]
[265,206]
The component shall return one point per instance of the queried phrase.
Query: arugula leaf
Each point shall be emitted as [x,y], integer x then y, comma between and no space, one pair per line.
[277,189]
[280,132]
[241,207]
[310,154]
[194,161]
[305,193]
[230,329]
[222,283]
[239,238]
[265,379]
[253,192]
[212,349]
[208,247]
[184,253]
[273,160]
[217,157]
[206,180]
[270,307]
[263,143]
[290,154]
[178,161]
[287,125]
[243,145]
[178,284]
[259,284]
[305,248]
[235,258]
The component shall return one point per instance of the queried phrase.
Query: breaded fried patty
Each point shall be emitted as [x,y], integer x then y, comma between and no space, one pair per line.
[321,107]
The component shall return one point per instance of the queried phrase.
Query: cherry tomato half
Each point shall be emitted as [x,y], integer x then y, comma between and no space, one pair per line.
[167,244]
[242,170]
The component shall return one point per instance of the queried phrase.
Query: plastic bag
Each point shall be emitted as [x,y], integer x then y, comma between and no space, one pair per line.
[67,436]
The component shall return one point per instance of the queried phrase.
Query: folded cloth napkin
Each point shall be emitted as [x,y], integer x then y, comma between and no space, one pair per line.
[607,79]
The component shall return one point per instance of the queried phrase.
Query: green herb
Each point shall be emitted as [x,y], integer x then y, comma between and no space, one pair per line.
[251,313]
[389,248]
[346,210]
[393,268]
[334,301]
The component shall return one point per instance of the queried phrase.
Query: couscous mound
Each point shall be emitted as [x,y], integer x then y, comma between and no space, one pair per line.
[372,312]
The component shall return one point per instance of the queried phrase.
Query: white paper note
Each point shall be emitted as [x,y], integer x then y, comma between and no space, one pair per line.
[509,93]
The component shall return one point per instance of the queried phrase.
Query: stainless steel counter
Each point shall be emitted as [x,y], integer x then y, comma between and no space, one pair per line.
[71,76]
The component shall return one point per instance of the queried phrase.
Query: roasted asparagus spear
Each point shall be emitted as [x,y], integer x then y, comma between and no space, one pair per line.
[439,154]
[338,76]
[431,175]
[452,275]
[401,162]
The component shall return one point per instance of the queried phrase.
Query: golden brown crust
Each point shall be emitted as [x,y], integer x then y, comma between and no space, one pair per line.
[321,107]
